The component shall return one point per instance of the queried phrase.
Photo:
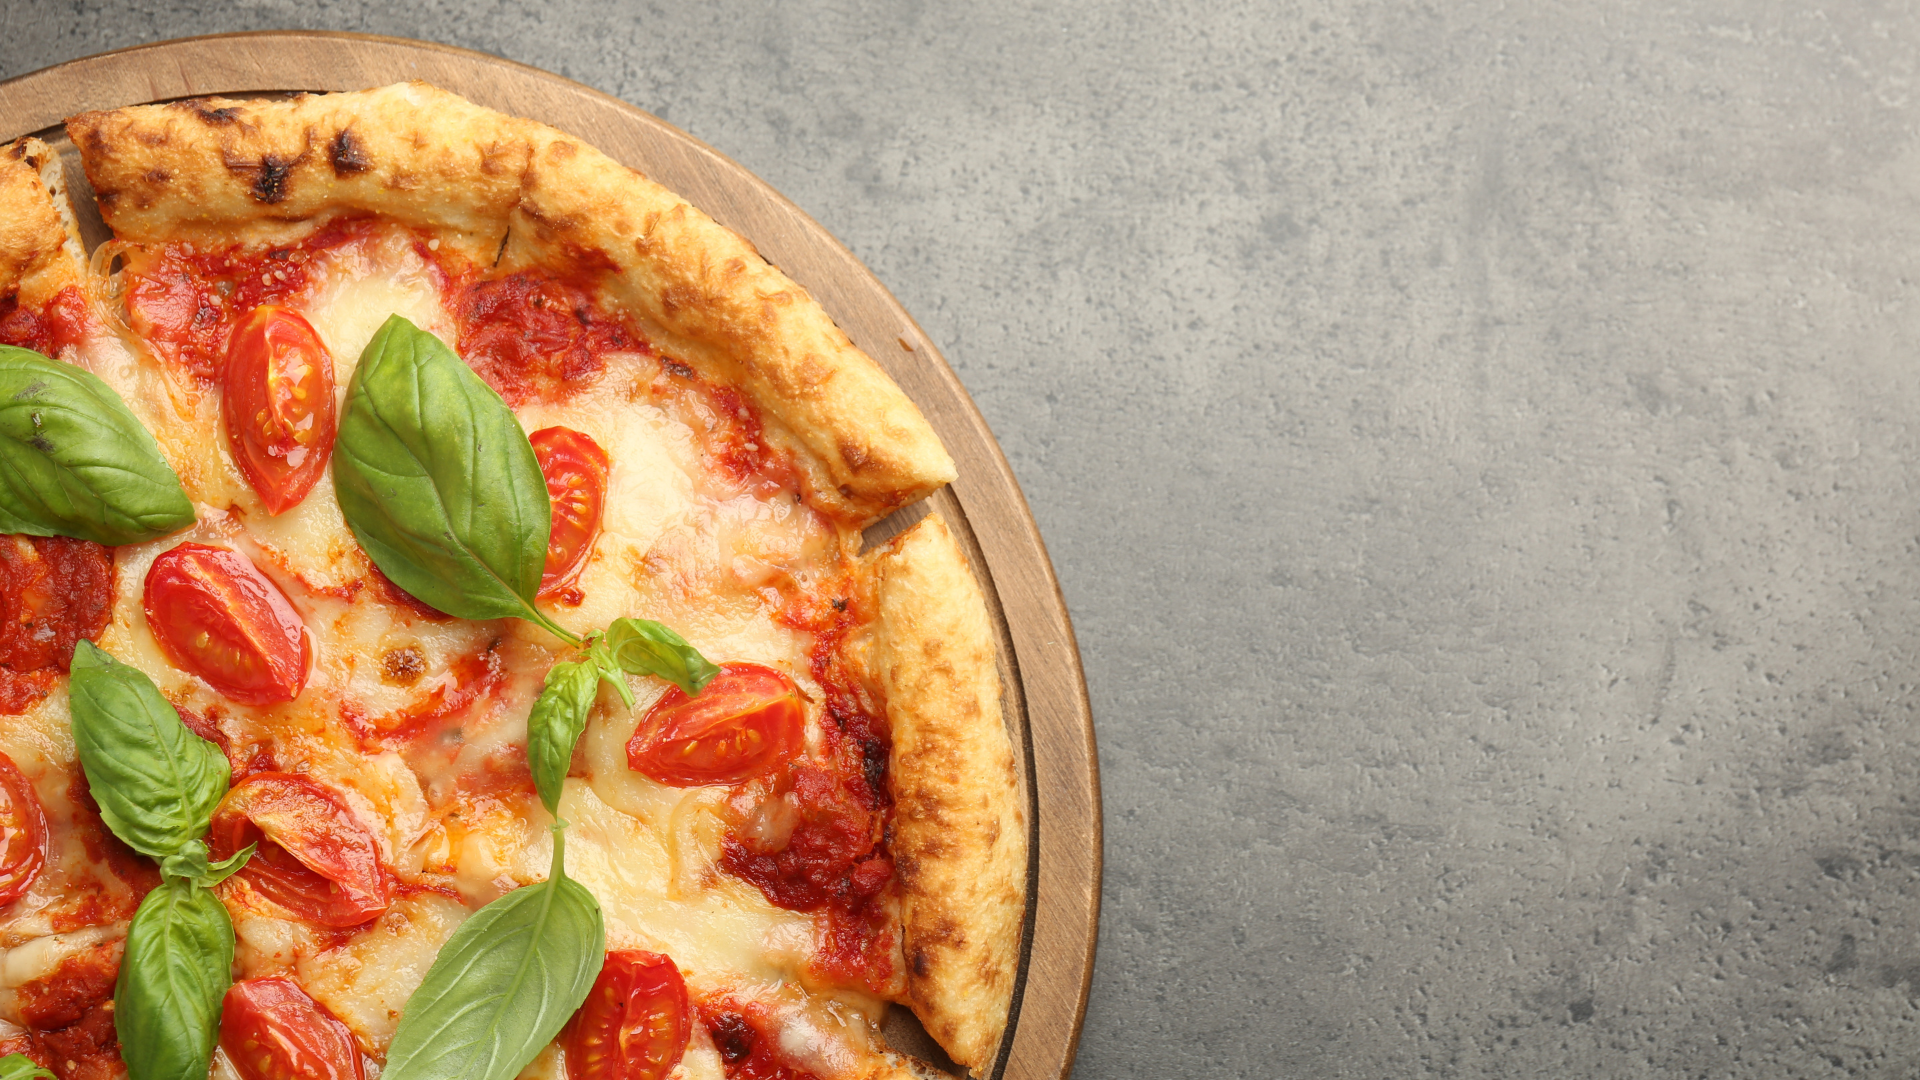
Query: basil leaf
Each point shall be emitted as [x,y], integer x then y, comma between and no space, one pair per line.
[177,967]
[191,863]
[156,782]
[438,482]
[22,1067]
[559,716]
[75,462]
[503,985]
[645,647]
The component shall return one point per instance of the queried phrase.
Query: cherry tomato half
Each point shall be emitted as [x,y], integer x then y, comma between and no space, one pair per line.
[218,616]
[277,400]
[746,721]
[273,1031]
[576,472]
[23,832]
[634,1024]
[315,858]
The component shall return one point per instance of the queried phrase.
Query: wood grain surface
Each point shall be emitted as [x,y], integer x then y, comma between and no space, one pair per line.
[1046,695]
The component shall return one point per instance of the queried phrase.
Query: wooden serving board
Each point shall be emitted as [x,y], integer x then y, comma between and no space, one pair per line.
[1046,699]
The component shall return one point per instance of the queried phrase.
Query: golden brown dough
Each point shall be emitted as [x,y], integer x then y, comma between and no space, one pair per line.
[40,251]
[960,830]
[494,185]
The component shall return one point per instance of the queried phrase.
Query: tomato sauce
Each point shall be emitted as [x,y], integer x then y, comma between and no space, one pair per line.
[69,1015]
[53,592]
[63,322]
[836,861]
[534,336]
[748,1047]
[184,302]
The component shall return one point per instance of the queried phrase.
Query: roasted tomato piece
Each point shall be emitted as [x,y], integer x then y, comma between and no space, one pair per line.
[635,1022]
[746,721]
[277,400]
[218,616]
[576,472]
[273,1031]
[23,832]
[315,859]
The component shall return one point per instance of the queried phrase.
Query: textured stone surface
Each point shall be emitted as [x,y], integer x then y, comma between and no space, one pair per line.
[1475,439]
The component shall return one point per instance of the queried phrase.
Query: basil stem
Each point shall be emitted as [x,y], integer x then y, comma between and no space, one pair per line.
[156,781]
[438,482]
[75,462]
[504,984]
[177,967]
[22,1067]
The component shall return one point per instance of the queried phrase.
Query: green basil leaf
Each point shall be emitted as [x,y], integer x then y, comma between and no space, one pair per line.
[22,1067]
[75,462]
[177,967]
[503,985]
[559,716]
[645,647]
[438,482]
[156,782]
[191,863]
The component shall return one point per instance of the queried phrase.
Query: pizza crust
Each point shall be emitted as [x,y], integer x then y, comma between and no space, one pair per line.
[960,828]
[499,187]
[40,250]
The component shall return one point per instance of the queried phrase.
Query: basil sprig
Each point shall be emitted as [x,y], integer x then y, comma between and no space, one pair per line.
[438,482]
[504,984]
[75,462]
[176,970]
[22,1067]
[156,781]
[157,784]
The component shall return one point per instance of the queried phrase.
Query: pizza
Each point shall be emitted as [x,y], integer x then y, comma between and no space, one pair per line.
[437,636]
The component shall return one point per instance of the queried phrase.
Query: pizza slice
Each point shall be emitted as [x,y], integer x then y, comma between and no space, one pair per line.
[833,821]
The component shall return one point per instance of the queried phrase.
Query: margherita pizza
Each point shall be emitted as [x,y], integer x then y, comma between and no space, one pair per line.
[436,639]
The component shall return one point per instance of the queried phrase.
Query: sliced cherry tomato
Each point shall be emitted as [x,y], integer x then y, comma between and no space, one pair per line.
[23,832]
[635,1022]
[576,472]
[219,617]
[277,400]
[315,859]
[273,1031]
[746,721]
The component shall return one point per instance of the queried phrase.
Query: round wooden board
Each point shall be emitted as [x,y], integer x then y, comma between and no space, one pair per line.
[1046,695]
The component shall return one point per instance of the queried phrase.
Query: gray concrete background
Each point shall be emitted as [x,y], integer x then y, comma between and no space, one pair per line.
[1476,442]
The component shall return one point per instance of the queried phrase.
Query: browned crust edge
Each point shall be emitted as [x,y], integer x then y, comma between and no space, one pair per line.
[40,250]
[960,830]
[496,186]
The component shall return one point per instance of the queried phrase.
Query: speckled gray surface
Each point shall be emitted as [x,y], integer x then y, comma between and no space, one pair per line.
[1476,442]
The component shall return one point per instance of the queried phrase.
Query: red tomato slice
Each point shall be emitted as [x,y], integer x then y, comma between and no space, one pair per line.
[277,400]
[635,1022]
[576,472]
[315,858]
[746,721]
[273,1031]
[23,832]
[219,617]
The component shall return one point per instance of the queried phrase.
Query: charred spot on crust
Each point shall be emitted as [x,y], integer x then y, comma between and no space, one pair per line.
[675,367]
[270,183]
[17,150]
[921,963]
[348,156]
[216,117]
[157,176]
